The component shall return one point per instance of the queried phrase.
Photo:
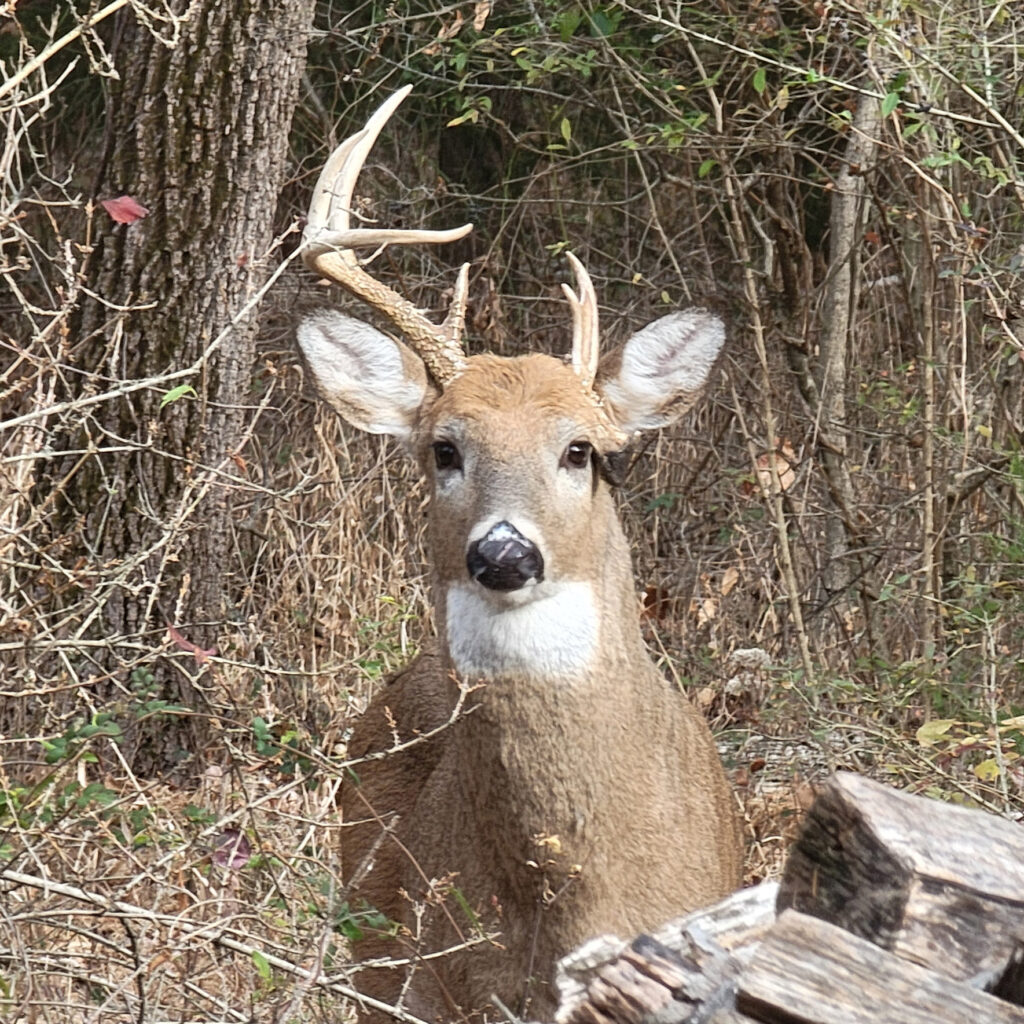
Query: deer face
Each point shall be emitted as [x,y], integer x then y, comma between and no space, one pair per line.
[519,516]
[511,447]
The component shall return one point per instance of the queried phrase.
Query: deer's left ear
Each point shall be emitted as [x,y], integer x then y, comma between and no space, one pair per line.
[661,370]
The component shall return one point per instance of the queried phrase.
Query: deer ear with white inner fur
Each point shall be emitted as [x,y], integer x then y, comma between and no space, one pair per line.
[375,382]
[661,370]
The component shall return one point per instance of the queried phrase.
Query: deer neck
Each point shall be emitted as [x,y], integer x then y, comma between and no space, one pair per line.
[539,762]
[543,752]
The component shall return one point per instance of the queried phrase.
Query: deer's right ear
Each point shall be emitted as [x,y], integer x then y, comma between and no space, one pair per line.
[375,382]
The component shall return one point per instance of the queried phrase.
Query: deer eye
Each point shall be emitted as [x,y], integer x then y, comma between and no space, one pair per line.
[577,455]
[446,455]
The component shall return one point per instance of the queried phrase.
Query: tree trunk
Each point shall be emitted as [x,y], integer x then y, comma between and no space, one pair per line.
[196,132]
[846,228]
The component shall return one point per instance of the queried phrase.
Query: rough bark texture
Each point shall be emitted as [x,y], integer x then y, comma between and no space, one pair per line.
[685,972]
[846,230]
[198,134]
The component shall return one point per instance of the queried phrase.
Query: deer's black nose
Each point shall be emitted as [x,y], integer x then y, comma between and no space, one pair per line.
[503,559]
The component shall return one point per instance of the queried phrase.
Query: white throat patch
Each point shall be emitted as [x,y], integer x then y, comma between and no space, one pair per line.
[548,630]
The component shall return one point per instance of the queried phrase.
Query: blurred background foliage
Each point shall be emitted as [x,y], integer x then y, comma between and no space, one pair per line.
[843,182]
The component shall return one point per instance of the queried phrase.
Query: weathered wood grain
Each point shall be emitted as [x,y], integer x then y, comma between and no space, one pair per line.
[807,971]
[934,883]
[681,973]
[914,915]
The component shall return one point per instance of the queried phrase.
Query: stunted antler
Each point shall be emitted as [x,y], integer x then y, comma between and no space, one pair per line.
[585,337]
[329,240]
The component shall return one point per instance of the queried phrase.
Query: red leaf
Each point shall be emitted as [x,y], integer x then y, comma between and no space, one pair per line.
[198,653]
[124,209]
[233,850]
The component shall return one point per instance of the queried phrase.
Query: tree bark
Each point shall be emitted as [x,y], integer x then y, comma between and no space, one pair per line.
[197,132]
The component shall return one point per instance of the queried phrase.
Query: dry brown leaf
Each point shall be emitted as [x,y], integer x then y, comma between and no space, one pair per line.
[704,609]
[730,578]
[784,459]
[452,30]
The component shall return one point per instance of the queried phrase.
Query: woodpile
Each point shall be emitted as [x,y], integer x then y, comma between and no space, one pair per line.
[893,909]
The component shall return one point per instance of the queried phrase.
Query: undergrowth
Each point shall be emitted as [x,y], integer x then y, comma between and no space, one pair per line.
[837,584]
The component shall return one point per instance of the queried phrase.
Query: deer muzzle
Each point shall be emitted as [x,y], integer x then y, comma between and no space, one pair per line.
[503,559]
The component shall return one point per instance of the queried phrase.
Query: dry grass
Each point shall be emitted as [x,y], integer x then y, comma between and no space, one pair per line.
[912,672]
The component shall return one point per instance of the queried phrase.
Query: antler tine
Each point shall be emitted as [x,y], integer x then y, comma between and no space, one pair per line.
[326,209]
[585,337]
[455,322]
[329,238]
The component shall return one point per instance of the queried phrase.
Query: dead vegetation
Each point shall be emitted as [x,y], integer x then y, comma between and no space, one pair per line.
[838,583]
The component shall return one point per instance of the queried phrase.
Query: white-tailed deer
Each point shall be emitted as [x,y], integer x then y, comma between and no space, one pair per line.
[579,792]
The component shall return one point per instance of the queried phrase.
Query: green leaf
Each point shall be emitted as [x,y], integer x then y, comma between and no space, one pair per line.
[467,909]
[666,501]
[567,22]
[472,116]
[706,168]
[175,393]
[54,750]
[350,929]
[262,965]
[890,103]
[101,729]
[931,732]
[96,792]
[566,129]
[760,81]
[988,770]
[604,24]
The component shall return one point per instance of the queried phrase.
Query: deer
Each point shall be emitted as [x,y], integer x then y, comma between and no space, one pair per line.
[545,782]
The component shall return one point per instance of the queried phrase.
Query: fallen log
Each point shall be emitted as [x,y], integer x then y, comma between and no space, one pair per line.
[810,971]
[932,882]
[688,966]
[895,909]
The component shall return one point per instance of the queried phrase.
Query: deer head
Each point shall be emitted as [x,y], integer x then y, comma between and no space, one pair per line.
[514,447]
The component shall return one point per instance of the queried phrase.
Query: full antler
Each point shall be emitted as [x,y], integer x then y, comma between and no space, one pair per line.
[329,241]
